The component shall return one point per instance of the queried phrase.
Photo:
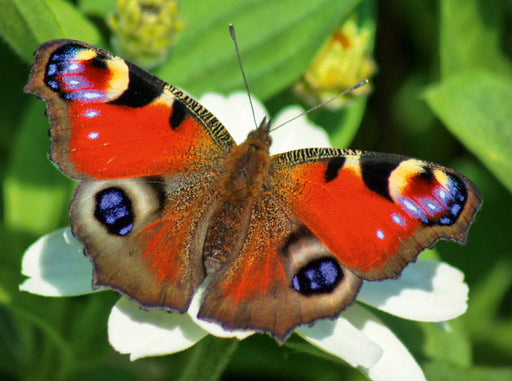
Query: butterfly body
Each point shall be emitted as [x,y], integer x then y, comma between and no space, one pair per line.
[241,181]
[167,201]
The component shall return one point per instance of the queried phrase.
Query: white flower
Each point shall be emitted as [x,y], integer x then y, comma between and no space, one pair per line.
[428,290]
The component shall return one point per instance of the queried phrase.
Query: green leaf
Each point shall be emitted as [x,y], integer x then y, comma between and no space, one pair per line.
[483,319]
[475,107]
[450,345]
[487,298]
[209,358]
[502,338]
[276,44]
[97,8]
[27,23]
[480,22]
[10,343]
[35,193]
[29,312]
[263,359]
[87,333]
[74,24]
[102,372]
[439,371]
[343,124]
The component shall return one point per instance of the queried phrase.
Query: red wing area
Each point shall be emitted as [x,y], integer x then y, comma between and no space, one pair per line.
[125,142]
[111,119]
[376,212]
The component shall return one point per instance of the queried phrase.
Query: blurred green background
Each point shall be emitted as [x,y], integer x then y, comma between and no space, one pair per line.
[443,93]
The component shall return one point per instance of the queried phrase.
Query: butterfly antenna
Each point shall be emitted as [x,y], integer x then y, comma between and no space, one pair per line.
[233,37]
[356,86]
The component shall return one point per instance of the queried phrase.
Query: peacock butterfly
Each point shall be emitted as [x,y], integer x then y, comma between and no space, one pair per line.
[167,201]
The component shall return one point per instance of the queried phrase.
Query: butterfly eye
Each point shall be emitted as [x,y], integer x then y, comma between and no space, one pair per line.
[319,276]
[114,211]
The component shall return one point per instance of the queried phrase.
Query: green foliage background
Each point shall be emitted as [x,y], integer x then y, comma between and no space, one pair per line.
[443,93]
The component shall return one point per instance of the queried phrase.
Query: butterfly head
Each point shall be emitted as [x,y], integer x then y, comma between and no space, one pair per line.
[260,137]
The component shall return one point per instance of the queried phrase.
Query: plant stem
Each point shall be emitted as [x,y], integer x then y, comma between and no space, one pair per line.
[209,359]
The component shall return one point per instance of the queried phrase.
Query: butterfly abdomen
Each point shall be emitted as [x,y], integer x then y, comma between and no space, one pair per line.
[227,231]
[245,170]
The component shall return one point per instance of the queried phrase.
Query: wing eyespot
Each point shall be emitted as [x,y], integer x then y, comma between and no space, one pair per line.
[319,276]
[113,210]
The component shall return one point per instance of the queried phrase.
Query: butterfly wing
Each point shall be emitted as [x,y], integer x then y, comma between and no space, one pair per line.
[111,119]
[376,211]
[146,153]
[329,219]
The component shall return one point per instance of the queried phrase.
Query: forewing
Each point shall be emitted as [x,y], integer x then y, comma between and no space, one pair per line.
[111,119]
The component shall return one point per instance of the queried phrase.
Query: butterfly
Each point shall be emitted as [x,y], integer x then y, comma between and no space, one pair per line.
[167,201]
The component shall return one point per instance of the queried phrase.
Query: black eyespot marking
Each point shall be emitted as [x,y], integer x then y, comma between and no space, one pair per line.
[178,113]
[455,201]
[114,211]
[59,64]
[333,167]
[142,89]
[427,174]
[320,276]
[376,174]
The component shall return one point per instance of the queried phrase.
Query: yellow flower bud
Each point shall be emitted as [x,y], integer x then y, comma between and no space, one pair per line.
[145,30]
[343,61]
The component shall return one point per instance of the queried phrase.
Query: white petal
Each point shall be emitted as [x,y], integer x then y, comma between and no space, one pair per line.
[301,133]
[141,333]
[214,329]
[56,266]
[396,363]
[342,339]
[427,290]
[234,111]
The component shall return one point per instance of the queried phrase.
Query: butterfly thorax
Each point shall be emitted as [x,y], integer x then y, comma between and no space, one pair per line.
[246,168]
[246,165]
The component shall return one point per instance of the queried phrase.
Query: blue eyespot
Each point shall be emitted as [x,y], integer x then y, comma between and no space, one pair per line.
[114,211]
[319,276]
